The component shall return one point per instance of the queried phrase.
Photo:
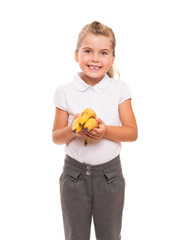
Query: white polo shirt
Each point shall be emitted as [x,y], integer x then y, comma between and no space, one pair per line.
[104,98]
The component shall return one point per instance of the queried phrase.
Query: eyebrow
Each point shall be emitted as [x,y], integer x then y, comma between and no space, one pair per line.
[100,50]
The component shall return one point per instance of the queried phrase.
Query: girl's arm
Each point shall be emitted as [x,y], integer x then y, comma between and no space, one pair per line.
[62,133]
[125,133]
[128,131]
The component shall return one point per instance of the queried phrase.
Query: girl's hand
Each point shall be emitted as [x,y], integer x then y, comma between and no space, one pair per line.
[97,133]
[80,134]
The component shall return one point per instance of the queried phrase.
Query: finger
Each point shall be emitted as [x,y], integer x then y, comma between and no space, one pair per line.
[82,132]
[94,130]
[90,134]
[76,115]
[99,120]
[93,136]
[97,131]
[90,137]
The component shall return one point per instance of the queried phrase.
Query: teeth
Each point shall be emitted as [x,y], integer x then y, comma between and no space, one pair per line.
[94,67]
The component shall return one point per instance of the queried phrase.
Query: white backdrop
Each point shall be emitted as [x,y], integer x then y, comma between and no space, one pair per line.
[37,44]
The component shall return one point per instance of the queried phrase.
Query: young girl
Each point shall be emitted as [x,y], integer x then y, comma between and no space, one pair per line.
[92,183]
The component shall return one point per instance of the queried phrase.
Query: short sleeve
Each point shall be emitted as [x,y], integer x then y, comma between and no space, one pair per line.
[125,92]
[60,99]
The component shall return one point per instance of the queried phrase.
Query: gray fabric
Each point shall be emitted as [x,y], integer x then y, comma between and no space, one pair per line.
[87,191]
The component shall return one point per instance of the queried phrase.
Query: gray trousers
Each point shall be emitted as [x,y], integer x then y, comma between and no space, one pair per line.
[87,191]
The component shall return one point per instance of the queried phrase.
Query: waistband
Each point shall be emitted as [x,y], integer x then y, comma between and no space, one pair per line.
[114,161]
[110,169]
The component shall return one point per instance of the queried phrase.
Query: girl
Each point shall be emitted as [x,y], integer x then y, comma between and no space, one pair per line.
[92,183]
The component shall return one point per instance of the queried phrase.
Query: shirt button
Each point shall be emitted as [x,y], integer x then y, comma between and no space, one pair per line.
[88,168]
[88,172]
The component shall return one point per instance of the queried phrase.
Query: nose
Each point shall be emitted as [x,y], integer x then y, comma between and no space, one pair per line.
[95,57]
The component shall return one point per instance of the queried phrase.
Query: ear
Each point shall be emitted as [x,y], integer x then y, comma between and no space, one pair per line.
[76,56]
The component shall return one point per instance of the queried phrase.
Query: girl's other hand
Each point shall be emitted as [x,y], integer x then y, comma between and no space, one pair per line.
[97,133]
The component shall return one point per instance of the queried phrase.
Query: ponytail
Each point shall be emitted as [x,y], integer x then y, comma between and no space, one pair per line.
[112,71]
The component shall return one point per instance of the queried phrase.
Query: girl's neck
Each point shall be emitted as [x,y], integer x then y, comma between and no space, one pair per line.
[90,81]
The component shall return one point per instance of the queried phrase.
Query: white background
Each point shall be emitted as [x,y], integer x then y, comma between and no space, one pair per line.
[37,44]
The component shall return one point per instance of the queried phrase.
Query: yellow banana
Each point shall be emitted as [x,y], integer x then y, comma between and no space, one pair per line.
[86,121]
[85,115]
[90,124]
[76,127]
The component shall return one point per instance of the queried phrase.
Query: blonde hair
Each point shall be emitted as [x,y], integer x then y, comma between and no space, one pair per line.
[98,28]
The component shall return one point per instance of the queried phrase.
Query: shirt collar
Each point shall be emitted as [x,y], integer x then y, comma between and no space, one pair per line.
[82,86]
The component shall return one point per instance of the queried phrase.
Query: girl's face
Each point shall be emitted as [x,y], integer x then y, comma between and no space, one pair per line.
[95,57]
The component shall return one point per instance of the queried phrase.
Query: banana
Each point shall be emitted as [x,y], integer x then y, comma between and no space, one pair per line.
[86,121]
[76,127]
[90,124]
[85,115]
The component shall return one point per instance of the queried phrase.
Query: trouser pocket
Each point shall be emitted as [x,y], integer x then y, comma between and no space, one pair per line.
[71,172]
[112,173]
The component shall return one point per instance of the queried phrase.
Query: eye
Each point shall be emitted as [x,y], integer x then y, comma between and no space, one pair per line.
[104,53]
[87,51]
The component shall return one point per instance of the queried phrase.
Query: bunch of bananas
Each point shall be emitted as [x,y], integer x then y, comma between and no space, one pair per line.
[86,121]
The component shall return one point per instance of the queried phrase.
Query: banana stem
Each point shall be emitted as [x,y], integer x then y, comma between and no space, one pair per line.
[86,141]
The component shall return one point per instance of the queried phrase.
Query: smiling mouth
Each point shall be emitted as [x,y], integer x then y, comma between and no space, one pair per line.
[92,67]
